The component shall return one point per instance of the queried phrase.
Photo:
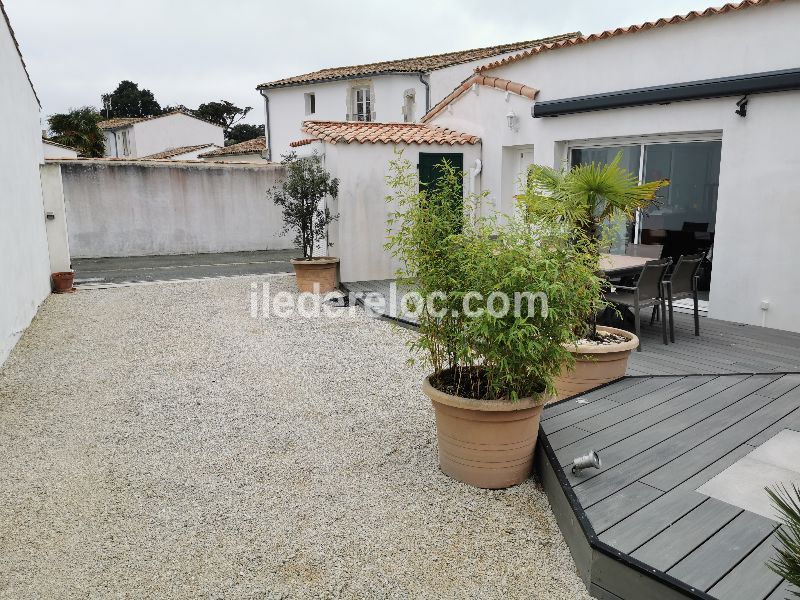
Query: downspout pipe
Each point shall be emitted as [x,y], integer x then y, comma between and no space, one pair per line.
[266,124]
[427,84]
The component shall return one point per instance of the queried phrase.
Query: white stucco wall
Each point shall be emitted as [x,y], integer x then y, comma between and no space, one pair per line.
[130,208]
[255,157]
[360,233]
[24,263]
[56,217]
[757,208]
[54,151]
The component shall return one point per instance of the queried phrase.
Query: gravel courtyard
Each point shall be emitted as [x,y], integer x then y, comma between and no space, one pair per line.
[158,441]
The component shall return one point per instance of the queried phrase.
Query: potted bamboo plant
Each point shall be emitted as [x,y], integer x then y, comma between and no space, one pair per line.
[491,370]
[302,197]
[585,199]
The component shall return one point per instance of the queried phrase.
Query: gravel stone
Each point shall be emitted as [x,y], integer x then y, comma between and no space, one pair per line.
[159,442]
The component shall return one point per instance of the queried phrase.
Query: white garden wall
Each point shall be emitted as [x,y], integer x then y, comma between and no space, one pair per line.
[139,208]
[24,264]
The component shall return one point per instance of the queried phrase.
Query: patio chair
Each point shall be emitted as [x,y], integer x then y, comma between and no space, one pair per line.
[682,283]
[647,292]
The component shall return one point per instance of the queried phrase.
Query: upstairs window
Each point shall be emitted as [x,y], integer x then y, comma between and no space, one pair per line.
[362,103]
[311,104]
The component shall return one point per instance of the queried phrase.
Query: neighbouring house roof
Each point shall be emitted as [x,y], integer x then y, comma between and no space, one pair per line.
[254,146]
[361,132]
[419,64]
[576,40]
[52,143]
[176,151]
[495,82]
[16,45]
[304,142]
[120,122]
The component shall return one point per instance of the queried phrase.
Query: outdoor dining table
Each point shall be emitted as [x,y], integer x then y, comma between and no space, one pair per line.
[620,265]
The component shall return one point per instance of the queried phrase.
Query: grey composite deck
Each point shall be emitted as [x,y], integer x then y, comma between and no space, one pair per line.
[722,347]
[637,527]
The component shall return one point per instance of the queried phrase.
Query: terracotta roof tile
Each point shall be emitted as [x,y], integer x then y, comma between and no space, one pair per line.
[118,122]
[361,132]
[254,146]
[304,142]
[174,152]
[575,40]
[495,82]
[420,64]
[54,143]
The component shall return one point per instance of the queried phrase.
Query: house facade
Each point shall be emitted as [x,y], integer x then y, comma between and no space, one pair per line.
[51,149]
[398,91]
[145,136]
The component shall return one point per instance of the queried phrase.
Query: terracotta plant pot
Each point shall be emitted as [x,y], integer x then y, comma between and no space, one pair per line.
[321,271]
[596,365]
[485,443]
[62,281]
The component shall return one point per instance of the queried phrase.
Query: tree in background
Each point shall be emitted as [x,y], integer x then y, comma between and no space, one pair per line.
[78,128]
[223,113]
[243,132]
[129,101]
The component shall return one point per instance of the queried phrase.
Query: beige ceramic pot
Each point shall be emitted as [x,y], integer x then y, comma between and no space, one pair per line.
[320,271]
[596,365]
[485,443]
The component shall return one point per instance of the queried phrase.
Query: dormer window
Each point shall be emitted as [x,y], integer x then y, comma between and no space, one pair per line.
[361,103]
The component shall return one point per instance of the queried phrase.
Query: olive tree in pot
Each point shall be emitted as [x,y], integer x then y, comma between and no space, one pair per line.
[491,365]
[302,197]
[585,199]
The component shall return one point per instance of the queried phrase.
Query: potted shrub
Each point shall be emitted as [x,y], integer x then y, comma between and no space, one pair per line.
[302,197]
[585,199]
[490,371]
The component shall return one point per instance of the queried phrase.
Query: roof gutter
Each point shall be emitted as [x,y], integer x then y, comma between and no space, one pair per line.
[268,152]
[271,86]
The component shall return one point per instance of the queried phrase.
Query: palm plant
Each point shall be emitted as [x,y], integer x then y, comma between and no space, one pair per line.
[79,128]
[787,563]
[583,199]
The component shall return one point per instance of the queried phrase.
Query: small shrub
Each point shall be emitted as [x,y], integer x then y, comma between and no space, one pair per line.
[449,252]
[300,196]
[787,563]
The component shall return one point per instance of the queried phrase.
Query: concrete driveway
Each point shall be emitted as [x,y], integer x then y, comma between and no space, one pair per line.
[99,272]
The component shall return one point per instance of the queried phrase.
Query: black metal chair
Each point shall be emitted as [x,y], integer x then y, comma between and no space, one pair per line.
[682,283]
[648,291]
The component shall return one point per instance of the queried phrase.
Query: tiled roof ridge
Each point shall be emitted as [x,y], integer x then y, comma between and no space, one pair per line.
[411,64]
[303,142]
[385,133]
[505,85]
[251,146]
[611,33]
[175,151]
[126,121]
[55,143]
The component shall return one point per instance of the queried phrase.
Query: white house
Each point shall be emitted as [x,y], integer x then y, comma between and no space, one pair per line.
[144,136]
[710,101]
[248,151]
[24,260]
[358,153]
[182,152]
[53,149]
[395,91]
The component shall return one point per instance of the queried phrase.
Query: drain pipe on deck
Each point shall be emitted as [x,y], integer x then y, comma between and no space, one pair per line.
[266,125]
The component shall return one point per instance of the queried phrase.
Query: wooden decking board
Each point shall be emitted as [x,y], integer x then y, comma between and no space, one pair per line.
[714,412]
[567,436]
[615,508]
[646,387]
[675,438]
[714,469]
[790,421]
[781,386]
[697,526]
[716,446]
[704,362]
[597,394]
[638,422]
[749,580]
[782,592]
[706,565]
[650,520]
[593,408]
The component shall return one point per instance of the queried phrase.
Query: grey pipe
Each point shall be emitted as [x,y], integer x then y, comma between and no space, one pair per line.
[266,124]
[427,92]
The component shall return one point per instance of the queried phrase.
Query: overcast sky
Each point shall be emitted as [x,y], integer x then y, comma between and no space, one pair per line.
[192,51]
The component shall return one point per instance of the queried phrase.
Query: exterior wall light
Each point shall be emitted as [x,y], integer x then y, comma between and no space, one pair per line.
[511,119]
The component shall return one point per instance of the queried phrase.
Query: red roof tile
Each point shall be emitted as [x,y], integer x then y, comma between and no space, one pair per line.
[584,39]
[495,82]
[361,132]
[118,122]
[420,64]
[304,142]
[254,146]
